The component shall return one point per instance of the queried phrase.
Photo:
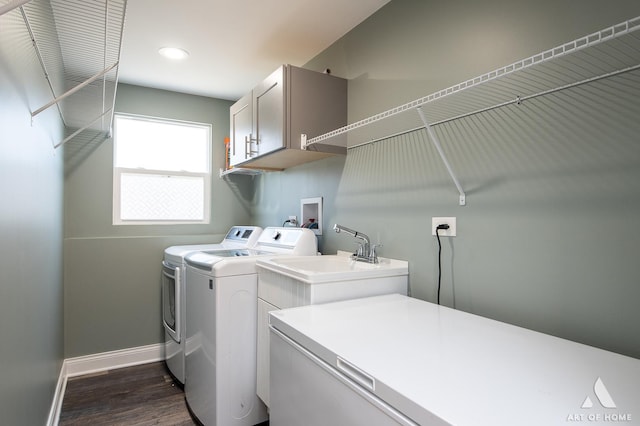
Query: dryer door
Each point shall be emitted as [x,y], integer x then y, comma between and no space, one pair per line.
[171,300]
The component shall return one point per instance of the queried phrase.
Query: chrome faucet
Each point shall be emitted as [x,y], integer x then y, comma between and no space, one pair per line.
[366,252]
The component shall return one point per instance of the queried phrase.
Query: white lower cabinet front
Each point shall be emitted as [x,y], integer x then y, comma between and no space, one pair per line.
[278,291]
[307,391]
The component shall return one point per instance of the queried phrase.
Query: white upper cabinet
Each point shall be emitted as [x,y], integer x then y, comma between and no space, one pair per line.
[266,125]
[268,113]
[241,127]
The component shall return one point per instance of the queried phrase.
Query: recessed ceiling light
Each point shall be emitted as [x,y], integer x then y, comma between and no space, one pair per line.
[173,53]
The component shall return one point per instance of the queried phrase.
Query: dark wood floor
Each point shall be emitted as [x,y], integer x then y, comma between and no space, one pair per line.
[140,395]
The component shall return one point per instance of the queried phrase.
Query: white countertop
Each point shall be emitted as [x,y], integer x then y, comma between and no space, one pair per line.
[428,360]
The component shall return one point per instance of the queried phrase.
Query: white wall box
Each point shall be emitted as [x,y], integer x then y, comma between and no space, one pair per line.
[311,214]
[268,124]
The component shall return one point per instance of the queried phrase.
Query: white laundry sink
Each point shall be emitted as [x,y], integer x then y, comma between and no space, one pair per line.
[331,268]
[291,281]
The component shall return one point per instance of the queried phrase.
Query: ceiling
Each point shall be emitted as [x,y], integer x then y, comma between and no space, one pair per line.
[233,44]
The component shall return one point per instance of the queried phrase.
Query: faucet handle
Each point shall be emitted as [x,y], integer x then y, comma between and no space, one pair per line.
[373,255]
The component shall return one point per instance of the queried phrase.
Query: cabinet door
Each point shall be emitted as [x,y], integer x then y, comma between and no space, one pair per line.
[268,108]
[242,139]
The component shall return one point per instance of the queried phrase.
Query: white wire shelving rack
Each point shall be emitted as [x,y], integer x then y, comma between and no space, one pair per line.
[606,53]
[77,43]
[240,171]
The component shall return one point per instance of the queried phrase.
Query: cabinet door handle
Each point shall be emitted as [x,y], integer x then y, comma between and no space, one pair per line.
[248,140]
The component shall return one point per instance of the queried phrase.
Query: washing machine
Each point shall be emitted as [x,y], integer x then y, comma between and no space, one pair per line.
[220,352]
[173,298]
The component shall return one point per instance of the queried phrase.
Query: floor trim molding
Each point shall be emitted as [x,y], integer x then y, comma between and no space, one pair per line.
[95,363]
[58,396]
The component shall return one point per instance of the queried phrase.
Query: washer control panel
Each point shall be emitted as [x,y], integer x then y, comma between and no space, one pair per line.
[244,234]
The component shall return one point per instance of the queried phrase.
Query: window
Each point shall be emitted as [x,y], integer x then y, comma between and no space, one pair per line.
[162,171]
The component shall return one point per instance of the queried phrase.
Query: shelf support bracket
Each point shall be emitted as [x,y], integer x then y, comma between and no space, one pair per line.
[436,143]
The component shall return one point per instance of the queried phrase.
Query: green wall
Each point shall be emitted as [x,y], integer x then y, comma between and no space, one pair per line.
[112,273]
[31,215]
[544,182]
[548,238]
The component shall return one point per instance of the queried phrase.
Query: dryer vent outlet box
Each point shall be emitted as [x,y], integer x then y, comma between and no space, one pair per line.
[311,214]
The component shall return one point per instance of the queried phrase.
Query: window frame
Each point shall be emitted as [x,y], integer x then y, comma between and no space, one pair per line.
[119,171]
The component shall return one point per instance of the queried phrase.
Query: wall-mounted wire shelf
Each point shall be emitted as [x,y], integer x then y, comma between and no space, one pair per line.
[14,4]
[238,171]
[607,53]
[246,171]
[78,45]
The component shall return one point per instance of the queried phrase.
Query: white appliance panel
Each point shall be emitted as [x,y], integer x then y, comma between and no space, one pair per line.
[224,353]
[222,294]
[173,289]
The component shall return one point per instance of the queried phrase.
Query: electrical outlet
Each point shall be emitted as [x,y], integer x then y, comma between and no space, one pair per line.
[451,221]
[293,220]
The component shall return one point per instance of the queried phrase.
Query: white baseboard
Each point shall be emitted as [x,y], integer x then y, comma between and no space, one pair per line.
[58,396]
[95,363]
[89,364]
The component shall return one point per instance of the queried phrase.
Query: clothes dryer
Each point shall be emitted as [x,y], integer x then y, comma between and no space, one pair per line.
[173,298]
[222,297]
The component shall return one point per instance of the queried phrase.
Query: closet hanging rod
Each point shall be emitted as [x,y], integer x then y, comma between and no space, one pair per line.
[74,90]
[12,5]
[517,100]
[571,47]
[382,138]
